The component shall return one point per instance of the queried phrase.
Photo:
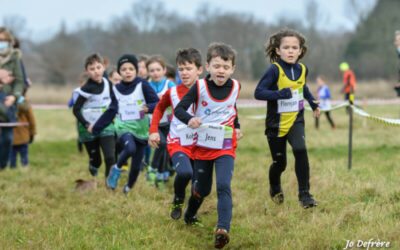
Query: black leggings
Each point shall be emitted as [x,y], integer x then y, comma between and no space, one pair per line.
[328,116]
[107,144]
[161,156]
[277,146]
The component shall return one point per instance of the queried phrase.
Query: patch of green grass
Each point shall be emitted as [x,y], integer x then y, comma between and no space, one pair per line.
[39,208]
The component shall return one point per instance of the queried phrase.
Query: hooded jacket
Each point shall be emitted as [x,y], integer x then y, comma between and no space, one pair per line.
[14,88]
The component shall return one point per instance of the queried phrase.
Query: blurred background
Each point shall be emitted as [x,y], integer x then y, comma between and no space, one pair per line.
[56,37]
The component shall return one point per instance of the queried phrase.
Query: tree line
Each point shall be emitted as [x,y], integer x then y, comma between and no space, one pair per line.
[149,28]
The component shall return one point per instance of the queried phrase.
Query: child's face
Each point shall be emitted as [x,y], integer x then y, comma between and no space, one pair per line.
[320,82]
[220,70]
[189,73]
[156,71]
[289,50]
[142,70]
[95,71]
[115,78]
[397,41]
[127,72]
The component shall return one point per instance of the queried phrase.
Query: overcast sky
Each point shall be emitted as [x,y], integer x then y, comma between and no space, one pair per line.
[43,17]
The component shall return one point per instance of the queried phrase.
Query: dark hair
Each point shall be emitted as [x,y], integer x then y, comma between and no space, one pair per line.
[93,58]
[170,73]
[156,58]
[16,44]
[143,58]
[189,55]
[225,51]
[275,42]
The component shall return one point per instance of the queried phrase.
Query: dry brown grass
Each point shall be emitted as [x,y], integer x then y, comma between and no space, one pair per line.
[50,94]
[377,89]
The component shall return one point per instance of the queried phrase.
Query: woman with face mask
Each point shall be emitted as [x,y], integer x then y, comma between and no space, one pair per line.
[11,88]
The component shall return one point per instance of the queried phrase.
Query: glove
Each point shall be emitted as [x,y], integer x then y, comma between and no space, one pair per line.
[31,139]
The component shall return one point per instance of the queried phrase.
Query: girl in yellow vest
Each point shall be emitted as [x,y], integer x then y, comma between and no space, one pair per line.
[283,85]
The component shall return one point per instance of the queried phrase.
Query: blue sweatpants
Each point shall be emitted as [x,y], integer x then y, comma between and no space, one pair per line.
[6,140]
[132,147]
[184,172]
[203,172]
[22,149]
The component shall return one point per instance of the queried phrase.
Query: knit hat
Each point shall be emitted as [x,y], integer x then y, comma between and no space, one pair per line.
[127,58]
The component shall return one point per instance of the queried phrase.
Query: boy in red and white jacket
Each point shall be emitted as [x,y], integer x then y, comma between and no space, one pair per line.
[216,121]
[180,139]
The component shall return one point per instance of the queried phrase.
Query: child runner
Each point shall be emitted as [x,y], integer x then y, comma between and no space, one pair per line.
[75,93]
[115,78]
[179,148]
[142,69]
[215,117]
[283,85]
[23,135]
[94,97]
[157,69]
[131,100]
[324,97]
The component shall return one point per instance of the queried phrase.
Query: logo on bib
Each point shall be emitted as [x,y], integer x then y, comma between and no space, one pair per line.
[207,111]
[204,103]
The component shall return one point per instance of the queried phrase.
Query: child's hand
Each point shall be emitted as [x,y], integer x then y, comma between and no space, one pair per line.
[239,134]
[10,100]
[316,112]
[6,76]
[145,108]
[90,128]
[194,122]
[154,140]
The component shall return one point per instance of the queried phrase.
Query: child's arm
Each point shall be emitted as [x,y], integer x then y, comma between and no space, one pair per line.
[32,124]
[267,88]
[77,111]
[107,117]
[162,105]
[150,96]
[236,123]
[180,110]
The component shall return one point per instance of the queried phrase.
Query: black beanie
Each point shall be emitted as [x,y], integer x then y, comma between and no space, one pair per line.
[127,58]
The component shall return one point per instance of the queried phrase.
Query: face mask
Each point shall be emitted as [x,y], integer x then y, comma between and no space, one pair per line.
[3,45]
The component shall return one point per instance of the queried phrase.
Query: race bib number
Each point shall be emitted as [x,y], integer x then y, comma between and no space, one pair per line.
[214,136]
[130,112]
[186,135]
[293,104]
[92,114]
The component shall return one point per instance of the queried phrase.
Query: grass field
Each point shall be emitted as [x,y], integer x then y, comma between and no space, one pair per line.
[40,210]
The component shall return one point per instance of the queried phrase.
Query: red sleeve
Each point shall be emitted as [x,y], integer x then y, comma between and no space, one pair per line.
[158,113]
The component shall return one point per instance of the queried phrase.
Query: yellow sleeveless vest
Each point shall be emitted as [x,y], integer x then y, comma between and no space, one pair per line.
[287,118]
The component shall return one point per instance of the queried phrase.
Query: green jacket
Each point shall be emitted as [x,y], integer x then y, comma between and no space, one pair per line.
[14,88]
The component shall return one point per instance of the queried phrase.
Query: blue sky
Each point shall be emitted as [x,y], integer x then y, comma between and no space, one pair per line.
[43,17]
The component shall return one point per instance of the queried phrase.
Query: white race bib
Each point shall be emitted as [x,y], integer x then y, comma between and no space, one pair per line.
[186,135]
[130,112]
[214,136]
[92,114]
[293,104]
